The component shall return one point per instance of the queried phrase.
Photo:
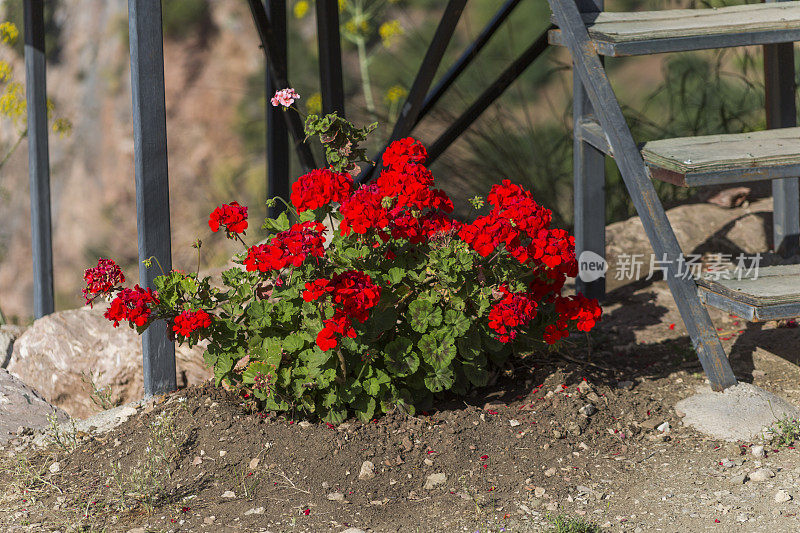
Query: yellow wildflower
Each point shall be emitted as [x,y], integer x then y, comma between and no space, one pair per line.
[12,102]
[314,104]
[8,33]
[301,9]
[395,94]
[343,5]
[5,71]
[389,30]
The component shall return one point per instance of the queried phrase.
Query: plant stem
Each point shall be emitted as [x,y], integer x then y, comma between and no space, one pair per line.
[13,148]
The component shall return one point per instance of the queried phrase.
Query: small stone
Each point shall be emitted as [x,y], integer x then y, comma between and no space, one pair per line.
[367,470]
[739,479]
[593,397]
[557,434]
[627,385]
[550,472]
[782,496]
[587,410]
[757,451]
[407,444]
[228,494]
[552,506]
[650,424]
[762,474]
[197,461]
[336,497]
[55,468]
[663,428]
[137,530]
[254,510]
[434,480]
[514,423]
[428,462]
[209,520]
[353,530]
[584,387]
[727,463]
[254,463]
[223,453]
[304,424]
[539,491]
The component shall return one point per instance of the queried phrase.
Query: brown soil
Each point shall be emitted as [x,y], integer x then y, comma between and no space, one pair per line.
[513,454]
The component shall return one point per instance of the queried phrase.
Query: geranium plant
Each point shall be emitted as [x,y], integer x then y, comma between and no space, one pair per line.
[369,298]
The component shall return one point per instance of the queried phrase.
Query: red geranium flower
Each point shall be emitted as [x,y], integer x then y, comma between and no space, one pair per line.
[101,279]
[190,321]
[232,216]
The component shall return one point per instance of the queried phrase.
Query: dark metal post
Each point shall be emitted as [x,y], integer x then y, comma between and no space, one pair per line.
[152,183]
[330,57]
[277,132]
[779,87]
[38,158]
[589,178]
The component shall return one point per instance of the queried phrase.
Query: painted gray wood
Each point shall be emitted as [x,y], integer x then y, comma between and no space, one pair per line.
[152,183]
[779,91]
[746,311]
[770,293]
[684,44]
[38,158]
[637,180]
[589,185]
[277,130]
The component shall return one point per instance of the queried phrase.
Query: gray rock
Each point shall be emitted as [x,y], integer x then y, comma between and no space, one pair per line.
[739,479]
[433,480]
[51,355]
[8,334]
[336,497]
[228,494]
[757,451]
[762,474]
[367,470]
[588,410]
[353,530]
[22,407]
[254,510]
[738,413]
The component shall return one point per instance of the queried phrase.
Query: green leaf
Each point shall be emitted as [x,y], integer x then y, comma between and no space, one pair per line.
[438,354]
[400,360]
[440,380]
[277,225]
[476,370]
[458,321]
[293,343]
[395,275]
[364,408]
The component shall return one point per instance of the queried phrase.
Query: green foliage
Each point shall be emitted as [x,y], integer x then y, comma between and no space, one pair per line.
[340,139]
[181,18]
[785,431]
[52,32]
[568,524]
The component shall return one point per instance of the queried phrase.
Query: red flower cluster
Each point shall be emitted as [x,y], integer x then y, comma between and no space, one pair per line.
[512,313]
[101,279]
[134,305]
[353,294]
[320,187]
[289,247]
[189,321]
[232,216]
[402,201]
[522,226]
[585,312]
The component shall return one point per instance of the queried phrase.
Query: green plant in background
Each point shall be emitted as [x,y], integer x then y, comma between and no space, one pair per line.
[181,18]
[567,524]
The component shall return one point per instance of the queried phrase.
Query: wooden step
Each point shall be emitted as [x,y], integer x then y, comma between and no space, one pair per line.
[768,293]
[654,32]
[722,159]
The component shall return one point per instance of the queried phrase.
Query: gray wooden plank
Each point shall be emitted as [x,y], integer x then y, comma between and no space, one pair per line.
[646,25]
[152,183]
[637,180]
[38,158]
[751,313]
[711,153]
[777,284]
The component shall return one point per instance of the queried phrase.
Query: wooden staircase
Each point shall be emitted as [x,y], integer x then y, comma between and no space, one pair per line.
[770,293]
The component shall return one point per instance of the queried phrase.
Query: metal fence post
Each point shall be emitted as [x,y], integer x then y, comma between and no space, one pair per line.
[330,56]
[38,158]
[152,183]
[277,132]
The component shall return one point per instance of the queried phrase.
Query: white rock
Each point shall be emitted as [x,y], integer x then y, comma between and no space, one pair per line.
[664,428]
[434,480]
[228,494]
[367,470]
[762,474]
[588,410]
[757,451]
[514,423]
[550,472]
[304,424]
[336,497]
[782,496]
[55,467]
[255,510]
[353,530]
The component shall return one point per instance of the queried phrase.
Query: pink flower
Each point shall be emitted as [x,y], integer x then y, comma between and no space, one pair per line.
[284,97]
